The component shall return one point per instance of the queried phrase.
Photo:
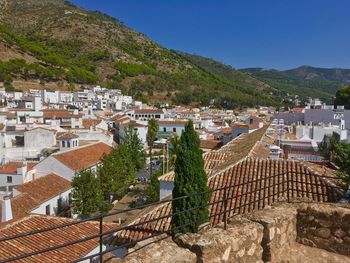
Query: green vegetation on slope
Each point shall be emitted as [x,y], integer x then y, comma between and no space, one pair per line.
[303,81]
[66,43]
[56,59]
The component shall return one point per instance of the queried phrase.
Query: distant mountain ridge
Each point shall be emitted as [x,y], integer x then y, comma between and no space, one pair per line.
[305,80]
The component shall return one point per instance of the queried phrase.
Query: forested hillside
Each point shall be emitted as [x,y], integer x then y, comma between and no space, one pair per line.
[55,45]
[53,41]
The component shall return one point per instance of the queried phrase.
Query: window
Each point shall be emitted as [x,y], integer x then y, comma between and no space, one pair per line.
[59,205]
[63,144]
[164,129]
[9,179]
[174,129]
[157,116]
[48,210]
[68,144]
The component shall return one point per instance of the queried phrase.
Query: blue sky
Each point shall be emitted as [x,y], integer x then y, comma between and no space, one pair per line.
[277,34]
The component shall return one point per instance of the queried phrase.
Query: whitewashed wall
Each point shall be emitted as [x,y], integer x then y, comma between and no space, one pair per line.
[51,165]
[53,204]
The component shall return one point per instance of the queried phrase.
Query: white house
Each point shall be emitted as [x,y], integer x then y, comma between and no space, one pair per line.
[13,174]
[170,127]
[140,127]
[146,114]
[39,138]
[121,102]
[48,195]
[68,163]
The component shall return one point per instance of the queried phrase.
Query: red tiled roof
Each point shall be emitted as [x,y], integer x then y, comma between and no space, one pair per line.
[83,157]
[88,123]
[34,193]
[11,167]
[232,152]
[226,130]
[210,144]
[133,124]
[256,184]
[51,238]
[67,135]
[148,111]
[59,114]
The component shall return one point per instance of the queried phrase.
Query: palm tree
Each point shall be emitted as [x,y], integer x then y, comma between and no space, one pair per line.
[152,132]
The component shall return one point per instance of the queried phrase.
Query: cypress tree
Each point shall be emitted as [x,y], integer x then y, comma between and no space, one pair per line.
[190,178]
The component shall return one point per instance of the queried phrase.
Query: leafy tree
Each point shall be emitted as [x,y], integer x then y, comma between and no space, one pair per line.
[135,147]
[154,187]
[86,194]
[342,97]
[190,178]
[327,145]
[71,87]
[153,128]
[342,159]
[117,172]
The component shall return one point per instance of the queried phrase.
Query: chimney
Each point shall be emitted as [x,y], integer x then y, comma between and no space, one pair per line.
[6,210]
[22,170]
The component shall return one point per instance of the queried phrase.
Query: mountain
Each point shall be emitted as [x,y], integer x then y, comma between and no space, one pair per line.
[305,81]
[329,74]
[56,45]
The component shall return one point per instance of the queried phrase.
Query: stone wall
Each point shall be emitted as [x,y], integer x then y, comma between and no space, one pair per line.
[240,242]
[268,235]
[279,223]
[324,226]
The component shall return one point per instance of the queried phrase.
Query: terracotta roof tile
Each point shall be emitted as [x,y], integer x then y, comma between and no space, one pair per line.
[255,183]
[67,135]
[59,114]
[51,238]
[210,144]
[11,167]
[229,154]
[148,111]
[88,123]
[83,157]
[36,192]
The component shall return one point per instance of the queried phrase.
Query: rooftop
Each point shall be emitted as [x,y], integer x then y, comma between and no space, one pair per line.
[51,238]
[67,135]
[83,157]
[210,144]
[148,111]
[11,167]
[253,183]
[87,123]
[36,192]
